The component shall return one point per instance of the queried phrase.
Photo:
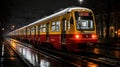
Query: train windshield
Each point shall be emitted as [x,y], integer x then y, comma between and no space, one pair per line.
[84,21]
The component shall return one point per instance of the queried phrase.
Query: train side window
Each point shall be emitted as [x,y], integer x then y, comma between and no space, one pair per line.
[28,31]
[53,26]
[41,30]
[57,25]
[44,28]
[68,24]
[36,29]
[65,24]
[24,32]
[20,32]
[32,30]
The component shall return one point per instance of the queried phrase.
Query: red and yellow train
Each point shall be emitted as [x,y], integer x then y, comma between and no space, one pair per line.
[68,29]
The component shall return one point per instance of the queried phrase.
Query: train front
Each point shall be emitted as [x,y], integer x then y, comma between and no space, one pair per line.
[84,30]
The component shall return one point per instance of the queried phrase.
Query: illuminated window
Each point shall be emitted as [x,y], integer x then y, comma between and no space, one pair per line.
[58,26]
[36,28]
[32,30]
[28,31]
[44,28]
[68,25]
[84,21]
[55,26]
[24,32]
[41,30]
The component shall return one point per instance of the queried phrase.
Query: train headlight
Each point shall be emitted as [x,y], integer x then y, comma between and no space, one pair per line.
[77,36]
[94,36]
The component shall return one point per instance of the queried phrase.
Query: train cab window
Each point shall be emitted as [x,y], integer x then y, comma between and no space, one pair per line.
[84,21]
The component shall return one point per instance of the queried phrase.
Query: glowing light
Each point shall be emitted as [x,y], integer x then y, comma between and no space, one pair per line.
[80,1]
[13,44]
[116,32]
[90,64]
[3,28]
[78,36]
[13,26]
[94,36]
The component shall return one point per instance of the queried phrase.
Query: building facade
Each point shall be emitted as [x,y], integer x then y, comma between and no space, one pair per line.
[114,25]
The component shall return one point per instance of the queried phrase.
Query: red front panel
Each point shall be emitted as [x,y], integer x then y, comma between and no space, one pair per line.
[73,41]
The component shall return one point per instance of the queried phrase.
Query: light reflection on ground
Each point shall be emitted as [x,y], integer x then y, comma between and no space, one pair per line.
[40,60]
[37,59]
[108,52]
[92,65]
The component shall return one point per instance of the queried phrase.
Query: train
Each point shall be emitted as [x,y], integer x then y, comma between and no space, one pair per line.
[69,29]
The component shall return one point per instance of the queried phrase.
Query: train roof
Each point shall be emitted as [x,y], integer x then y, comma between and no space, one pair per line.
[62,12]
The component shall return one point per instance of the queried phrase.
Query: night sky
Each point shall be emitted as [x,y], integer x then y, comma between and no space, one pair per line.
[23,12]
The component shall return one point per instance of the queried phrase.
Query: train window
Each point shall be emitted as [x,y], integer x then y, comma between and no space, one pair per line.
[53,26]
[44,28]
[57,25]
[24,32]
[68,25]
[65,24]
[32,30]
[41,30]
[84,21]
[36,28]
[28,31]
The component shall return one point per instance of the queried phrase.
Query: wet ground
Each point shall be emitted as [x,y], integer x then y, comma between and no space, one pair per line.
[8,57]
[43,60]
[107,52]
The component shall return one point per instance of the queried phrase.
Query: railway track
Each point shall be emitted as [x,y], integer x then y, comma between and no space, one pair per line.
[111,47]
[91,57]
[70,57]
[108,60]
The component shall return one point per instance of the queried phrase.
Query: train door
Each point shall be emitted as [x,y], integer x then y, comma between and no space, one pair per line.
[34,34]
[47,32]
[25,33]
[63,33]
[29,33]
[38,36]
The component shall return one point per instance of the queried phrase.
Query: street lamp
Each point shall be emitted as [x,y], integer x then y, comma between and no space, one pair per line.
[13,26]
[80,1]
[3,29]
